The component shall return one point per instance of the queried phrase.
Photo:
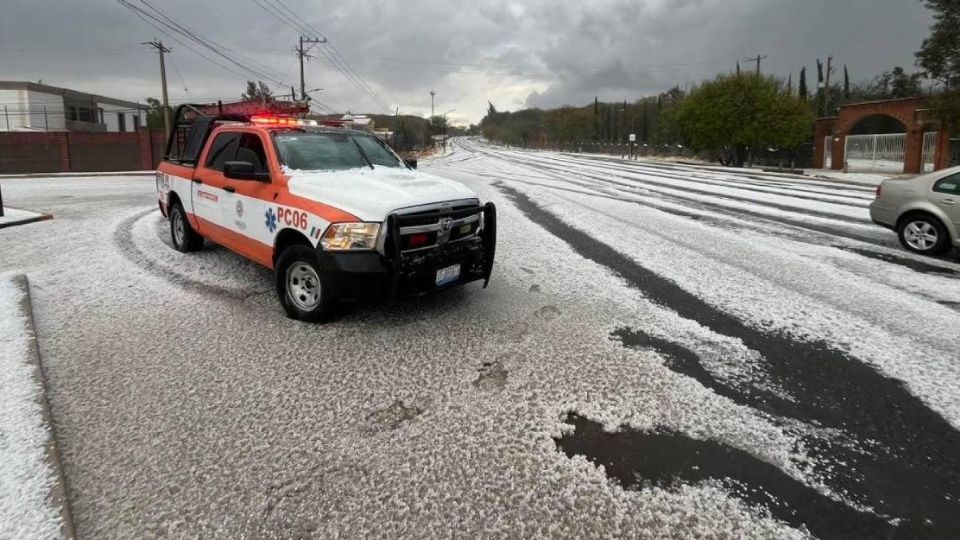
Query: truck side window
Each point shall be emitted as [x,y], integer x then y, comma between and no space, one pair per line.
[251,150]
[223,149]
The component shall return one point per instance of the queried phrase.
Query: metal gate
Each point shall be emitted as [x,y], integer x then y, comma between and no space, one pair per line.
[929,150]
[876,153]
[828,152]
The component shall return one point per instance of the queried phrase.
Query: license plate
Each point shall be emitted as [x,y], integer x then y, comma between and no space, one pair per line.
[448,274]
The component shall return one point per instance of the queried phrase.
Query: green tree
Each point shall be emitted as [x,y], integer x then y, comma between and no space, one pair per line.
[257,91]
[940,53]
[154,113]
[804,93]
[940,57]
[846,83]
[899,84]
[741,112]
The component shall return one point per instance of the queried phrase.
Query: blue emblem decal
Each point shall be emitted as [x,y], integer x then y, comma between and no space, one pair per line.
[271,220]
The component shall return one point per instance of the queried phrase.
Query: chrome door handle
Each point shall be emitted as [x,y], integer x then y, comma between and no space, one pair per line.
[948,201]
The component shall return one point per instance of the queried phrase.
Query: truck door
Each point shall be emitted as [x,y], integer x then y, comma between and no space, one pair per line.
[209,183]
[248,206]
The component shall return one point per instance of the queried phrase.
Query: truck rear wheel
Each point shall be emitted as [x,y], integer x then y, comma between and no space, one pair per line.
[301,290]
[184,238]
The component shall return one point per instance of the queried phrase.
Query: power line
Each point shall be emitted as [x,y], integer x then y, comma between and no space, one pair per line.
[186,46]
[158,17]
[177,71]
[288,17]
[214,46]
[301,23]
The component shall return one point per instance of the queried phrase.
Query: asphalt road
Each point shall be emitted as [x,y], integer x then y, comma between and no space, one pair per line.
[663,350]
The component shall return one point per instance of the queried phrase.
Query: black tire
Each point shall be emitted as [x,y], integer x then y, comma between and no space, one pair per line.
[300,287]
[916,233]
[189,240]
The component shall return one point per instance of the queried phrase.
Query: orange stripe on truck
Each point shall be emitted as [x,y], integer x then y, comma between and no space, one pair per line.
[244,245]
[325,212]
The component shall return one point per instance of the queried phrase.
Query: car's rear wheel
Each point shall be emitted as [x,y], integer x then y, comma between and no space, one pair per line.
[302,292]
[923,234]
[184,238]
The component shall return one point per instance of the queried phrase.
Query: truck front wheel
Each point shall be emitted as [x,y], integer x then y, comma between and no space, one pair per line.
[299,287]
[184,238]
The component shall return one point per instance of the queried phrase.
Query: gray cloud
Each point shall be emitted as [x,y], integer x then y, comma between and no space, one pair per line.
[530,53]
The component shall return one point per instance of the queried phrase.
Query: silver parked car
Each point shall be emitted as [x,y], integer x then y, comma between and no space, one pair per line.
[924,210]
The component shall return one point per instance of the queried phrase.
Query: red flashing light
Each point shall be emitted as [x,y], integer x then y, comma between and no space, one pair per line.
[417,240]
[274,120]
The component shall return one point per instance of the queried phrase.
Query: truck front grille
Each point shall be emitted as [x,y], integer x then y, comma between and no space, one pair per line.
[431,229]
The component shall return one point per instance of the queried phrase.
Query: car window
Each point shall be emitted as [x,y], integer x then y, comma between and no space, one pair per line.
[331,151]
[377,152]
[950,184]
[223,149]
[251,150]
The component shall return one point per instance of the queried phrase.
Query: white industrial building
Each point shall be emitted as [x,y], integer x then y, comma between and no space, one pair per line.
[26,106]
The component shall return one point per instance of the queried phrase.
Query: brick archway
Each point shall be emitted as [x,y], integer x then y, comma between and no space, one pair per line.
[911,112]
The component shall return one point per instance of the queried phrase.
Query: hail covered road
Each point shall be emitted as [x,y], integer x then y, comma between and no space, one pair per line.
[663,350]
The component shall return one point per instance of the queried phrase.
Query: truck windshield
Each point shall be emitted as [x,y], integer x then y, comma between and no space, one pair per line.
[333,151]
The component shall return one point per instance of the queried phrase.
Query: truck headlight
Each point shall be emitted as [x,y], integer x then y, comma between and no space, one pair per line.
[347,236]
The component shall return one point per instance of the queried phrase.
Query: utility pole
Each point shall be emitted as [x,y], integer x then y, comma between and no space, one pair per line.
[758,59]
[158,45]
[432,93]
[301,54]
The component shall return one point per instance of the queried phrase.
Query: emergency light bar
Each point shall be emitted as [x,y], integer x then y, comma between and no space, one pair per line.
[282,121]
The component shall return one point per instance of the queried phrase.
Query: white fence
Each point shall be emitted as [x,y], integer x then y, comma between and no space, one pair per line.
[828,152]
[876,153]
[929,150]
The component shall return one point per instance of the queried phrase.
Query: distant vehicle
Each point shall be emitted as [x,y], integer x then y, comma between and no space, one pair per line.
[334,212]
[924,210]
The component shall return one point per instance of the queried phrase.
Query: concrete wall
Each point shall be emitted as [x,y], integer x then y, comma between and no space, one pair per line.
[46,111]
[10,99]
[29,109]
[111,119]
[33,110]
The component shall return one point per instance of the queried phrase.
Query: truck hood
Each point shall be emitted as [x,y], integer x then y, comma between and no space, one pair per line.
[372,194]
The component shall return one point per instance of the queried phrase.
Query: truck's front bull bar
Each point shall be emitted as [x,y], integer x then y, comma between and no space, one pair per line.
[488,235]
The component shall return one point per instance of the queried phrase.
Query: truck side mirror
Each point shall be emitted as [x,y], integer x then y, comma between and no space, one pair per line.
[411,162]
[243,170]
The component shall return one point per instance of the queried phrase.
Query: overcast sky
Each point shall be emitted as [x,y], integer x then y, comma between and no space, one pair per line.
[515,54]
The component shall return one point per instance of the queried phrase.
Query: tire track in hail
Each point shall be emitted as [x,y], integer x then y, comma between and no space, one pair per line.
[907,464]
[123,238]
[734,183]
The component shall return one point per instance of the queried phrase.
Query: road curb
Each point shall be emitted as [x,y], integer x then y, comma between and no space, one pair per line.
[24,221]
[58,492]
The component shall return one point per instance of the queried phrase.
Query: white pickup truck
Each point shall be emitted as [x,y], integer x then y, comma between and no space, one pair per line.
[335,213]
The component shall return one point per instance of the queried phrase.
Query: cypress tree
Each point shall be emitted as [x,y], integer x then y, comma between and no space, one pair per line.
[846,83]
